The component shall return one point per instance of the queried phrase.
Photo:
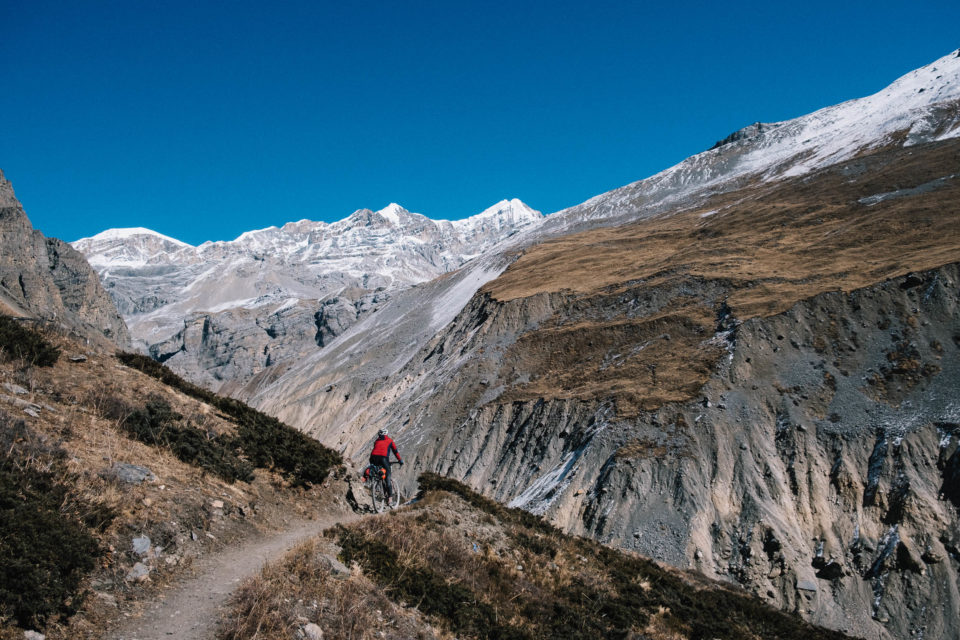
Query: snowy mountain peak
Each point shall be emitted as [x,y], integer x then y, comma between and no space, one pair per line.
[921,106]
[392,213]
[132,232]
[514,208]
[130,247]
[505,214]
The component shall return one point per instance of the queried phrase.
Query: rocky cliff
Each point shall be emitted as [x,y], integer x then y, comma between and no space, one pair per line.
[761,387]
[48,279]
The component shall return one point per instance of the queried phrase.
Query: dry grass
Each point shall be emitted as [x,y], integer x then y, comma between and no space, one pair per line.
[77,414]
[302,589]
[666,278]
[779,245]
[459,565]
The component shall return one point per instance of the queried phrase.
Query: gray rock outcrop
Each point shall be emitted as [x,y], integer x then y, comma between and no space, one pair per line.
[816,467]
[221,312]
[47,279]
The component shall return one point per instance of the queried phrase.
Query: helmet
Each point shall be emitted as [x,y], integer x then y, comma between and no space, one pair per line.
[381,433]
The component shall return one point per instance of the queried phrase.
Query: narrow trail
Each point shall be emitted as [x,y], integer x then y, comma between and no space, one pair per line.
[191,610]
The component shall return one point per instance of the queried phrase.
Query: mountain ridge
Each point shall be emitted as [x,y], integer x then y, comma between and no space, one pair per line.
[391,213]
[677,371]
[222,311]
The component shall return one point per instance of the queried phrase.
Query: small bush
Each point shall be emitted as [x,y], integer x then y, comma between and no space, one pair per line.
[46,548]
[157,424]
[432,594]
[263,440]
[18,342]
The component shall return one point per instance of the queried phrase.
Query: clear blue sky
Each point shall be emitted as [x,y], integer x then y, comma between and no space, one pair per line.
[204,119]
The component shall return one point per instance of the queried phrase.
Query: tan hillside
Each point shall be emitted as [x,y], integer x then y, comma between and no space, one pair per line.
[66,432]
[458,565]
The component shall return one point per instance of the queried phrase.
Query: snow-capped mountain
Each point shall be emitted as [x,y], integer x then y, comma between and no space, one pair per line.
[921,106]
[131,248]
[161,284]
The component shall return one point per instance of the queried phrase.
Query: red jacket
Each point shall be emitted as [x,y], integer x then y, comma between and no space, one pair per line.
[383,446]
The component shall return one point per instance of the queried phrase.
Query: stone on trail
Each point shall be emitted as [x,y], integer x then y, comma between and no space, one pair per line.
[138,573]
[16,390]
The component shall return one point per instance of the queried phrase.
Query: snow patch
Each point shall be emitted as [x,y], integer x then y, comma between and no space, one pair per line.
[392,213]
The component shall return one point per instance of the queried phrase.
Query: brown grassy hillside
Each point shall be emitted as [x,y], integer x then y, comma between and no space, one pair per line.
[69,520]
[754,252]
[456,564]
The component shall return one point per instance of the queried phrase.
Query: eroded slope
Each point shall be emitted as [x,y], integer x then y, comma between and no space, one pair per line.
[709,389]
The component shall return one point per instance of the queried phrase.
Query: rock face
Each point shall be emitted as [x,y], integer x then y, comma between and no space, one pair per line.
[221,312]
[47,279]
[762,387]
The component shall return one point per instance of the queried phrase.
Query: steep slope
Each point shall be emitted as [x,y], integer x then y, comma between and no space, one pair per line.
[222,311]
[683,377]
[922,106]
[46,279]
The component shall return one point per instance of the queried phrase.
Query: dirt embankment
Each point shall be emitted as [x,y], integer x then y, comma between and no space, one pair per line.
[456,564]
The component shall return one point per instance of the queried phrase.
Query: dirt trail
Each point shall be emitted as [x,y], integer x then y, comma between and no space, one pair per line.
[191,610]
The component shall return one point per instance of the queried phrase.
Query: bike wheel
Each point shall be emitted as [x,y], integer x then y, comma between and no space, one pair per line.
[379,496]
[394,495]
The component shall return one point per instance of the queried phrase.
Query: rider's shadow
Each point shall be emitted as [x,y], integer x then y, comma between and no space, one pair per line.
[354,503]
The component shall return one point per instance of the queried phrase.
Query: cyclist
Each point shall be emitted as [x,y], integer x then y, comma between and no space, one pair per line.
[380,455]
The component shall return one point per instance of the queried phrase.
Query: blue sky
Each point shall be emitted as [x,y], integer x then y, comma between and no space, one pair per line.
[205,119]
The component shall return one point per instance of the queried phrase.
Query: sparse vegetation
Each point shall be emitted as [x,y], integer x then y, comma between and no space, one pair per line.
[350,606]
[262,440]
[159,425]
[18,342]
[476,569]
[47,537]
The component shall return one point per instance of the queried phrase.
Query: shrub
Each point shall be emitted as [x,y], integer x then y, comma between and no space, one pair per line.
[157,424]
[460,607]
[46,549]
[265,441]
[18,342]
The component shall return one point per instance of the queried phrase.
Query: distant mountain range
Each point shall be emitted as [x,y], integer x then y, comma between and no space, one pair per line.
[260,298]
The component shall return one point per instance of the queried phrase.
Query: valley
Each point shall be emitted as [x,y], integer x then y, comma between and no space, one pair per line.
[733,383]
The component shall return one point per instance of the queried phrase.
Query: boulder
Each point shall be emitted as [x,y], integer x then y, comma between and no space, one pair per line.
[128,473]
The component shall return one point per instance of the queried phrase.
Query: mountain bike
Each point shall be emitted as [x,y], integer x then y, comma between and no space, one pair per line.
[376,478]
